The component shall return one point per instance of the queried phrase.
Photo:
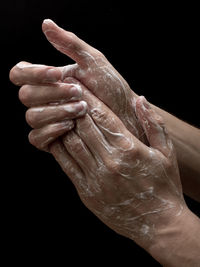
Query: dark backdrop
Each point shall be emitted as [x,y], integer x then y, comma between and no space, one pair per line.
[156,49]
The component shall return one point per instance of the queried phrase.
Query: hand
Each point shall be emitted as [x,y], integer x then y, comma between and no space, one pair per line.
[137,190]
[94,71]
[52,105]
[132,188]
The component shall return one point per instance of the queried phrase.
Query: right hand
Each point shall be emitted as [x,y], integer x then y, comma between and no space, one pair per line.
[94,71]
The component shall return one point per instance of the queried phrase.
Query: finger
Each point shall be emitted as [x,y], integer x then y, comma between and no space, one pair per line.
[37,117]
[80,153]
[68,43]
[34,95]
[108,123]
[69,166]
[154,127]
[41,138]
[27,73]
[93,138]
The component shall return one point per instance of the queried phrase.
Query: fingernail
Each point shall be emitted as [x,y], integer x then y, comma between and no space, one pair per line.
[78,108]
[48,21]
[84,108]
[52,75]
[76,92]
[22,65]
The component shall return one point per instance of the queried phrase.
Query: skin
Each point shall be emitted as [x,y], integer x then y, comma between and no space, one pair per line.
[52,105]
[120,186]
[185,138]
[119,162]
[91,65]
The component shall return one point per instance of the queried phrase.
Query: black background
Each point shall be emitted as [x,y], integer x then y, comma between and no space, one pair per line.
[156,49]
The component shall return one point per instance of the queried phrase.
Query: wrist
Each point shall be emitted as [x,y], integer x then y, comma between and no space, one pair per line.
[178,244]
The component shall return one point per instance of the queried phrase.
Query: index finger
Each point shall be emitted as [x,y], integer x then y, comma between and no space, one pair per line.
[27,73]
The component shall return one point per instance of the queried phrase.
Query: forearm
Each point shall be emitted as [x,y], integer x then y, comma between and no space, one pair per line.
[179,243]
[186,139]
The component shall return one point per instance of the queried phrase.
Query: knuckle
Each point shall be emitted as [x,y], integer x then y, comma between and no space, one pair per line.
[99,115]
[72,36]
[98,54]
[73,143]
[25,94]
[167,165]
[113,167]
[131,155]
[134,152]
[78,148]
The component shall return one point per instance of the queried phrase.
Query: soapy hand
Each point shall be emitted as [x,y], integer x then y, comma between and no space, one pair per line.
[96,73]
[132,188]
[42,84]
[52,105]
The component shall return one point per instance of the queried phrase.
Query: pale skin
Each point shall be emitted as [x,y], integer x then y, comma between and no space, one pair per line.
[132,182]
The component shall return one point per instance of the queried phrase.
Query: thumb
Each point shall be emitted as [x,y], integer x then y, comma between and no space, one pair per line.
[154,127]
[66,42]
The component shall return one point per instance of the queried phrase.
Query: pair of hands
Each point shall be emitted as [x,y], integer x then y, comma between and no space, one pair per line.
[117,152]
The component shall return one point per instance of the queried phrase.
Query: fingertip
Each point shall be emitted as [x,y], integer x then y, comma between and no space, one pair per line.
[66,42]
[14,72]
[47,23]
[84,108]
[11,75]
